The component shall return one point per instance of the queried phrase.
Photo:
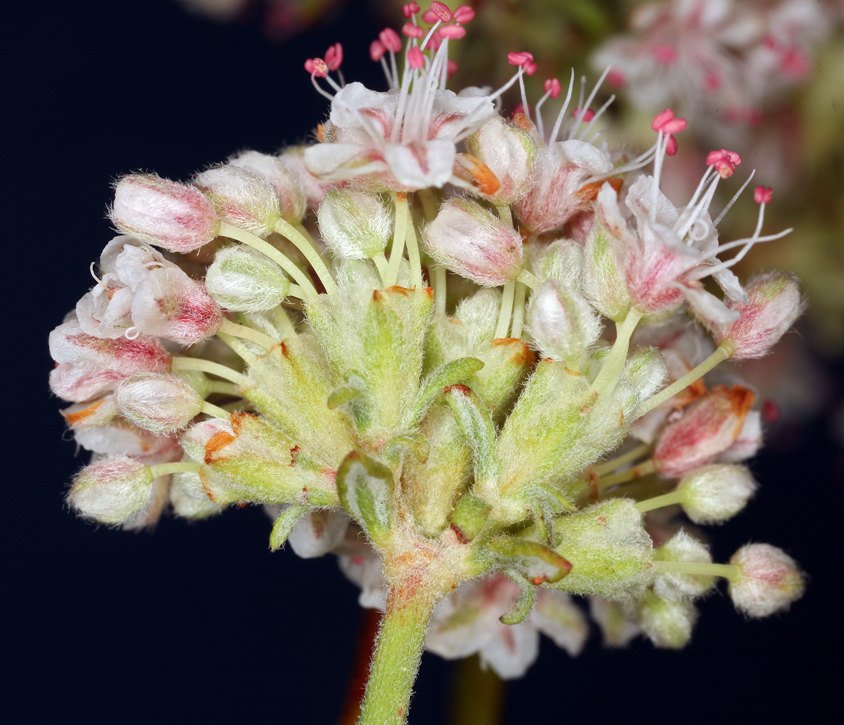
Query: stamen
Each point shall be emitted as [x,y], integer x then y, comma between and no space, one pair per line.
[463,14]
[733,201]
[411,30]
[415,58]
[595,116]
[553,137]
[334,56]
[132,333]
[749,241]
[99,281]
[441,10]
[410,9]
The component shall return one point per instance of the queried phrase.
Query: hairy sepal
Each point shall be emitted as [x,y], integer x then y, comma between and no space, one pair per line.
[534,561]
[365,487]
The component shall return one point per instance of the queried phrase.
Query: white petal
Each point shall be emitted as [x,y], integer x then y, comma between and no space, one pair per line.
[318,533]
[557,616]
[512,651]
[421,165]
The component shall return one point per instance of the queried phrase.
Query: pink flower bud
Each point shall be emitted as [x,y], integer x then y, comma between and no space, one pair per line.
[112,491]
[158,403]
[474,243]
[170,304]
[773,306]
[166,213]
[768,580]
[291,198]
[89,366]
[709,427]
[241,198]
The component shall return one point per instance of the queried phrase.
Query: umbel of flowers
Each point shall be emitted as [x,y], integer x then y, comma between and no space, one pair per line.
[467,354]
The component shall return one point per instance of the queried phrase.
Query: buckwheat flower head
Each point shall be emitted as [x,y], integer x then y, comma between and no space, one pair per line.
[469,355]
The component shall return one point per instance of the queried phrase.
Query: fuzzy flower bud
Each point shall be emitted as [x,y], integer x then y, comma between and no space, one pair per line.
[291,198]
[768,580]
[668,623]
[473,242]
[166,213]
[709,427]
[354,224]
[242,198]
[562,323]
[168,303]
[112,491]
[243,280]
[509,153]
[158,403]
[774,304]
[676,586]
[715,493]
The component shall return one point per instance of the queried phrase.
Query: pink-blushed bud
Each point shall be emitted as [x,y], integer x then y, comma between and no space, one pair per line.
[241,197]
[674,585]
[112,491]
[563,324]
[768,580]
[193,439]
[355,224]
[715,493]
[158,403]
[473,242]
[508,152]
[165,213]
[244,280]
[168,303]
[560,186]
[774,303]
[709,427]
[749,440]
[89,366]
[291,198]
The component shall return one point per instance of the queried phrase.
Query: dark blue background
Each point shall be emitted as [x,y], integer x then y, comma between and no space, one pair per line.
[202,623]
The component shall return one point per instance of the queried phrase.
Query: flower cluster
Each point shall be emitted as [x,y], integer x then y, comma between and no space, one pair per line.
[468,356]
[721,60]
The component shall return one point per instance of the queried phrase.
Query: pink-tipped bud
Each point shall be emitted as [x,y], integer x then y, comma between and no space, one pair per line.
[334,56]
[377,50]
[391,40]
[552,87]
[471,241]
[452,32]
[763,194]
[165,213]
[713,494]
[519,58]
[586,115]
[709,427]
[241,198]
[441,11]
[463,14]
[409,9]
[158,403]
[291,198]
[415,58]
[773,305]
[112,491]
[768,580]
[168,303]
[412,31]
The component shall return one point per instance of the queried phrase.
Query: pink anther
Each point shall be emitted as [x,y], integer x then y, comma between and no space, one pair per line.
[441,11]
[763,194]
[436,41]
[415,58]
[430,17]
[334,56]
[734,158]
[552,87]
[616,79]
[452,32]
[711,81]
[670,145]
[412,31]
[520,58]
[451,68]
[390,39]
[661,119]
[376,50]
[409,9]
[530,68]
[316,67]
[724,161]
[795,63]
[588,114]
[463,14]
[520,108]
